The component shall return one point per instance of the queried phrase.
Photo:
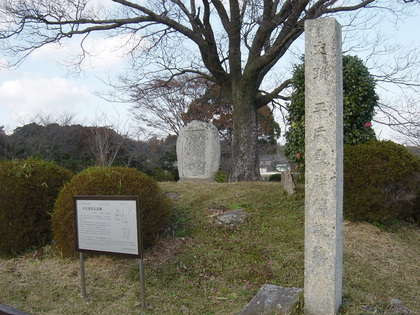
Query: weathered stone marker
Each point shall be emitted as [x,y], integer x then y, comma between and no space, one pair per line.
[324,166]
[198,152]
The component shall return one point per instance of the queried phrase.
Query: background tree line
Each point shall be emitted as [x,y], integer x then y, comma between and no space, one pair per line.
[77,147]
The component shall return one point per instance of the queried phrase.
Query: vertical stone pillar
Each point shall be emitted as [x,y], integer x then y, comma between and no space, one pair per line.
[323,166]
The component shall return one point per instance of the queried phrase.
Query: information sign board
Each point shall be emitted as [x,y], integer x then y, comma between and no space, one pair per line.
[108,224]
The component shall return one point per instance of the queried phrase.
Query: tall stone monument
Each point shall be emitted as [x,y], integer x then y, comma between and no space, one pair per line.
[323,166]
[198,152]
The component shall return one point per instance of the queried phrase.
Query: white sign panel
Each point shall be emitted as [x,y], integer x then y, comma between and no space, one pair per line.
[108,224]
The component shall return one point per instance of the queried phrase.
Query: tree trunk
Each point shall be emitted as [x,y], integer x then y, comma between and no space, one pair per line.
[245,160]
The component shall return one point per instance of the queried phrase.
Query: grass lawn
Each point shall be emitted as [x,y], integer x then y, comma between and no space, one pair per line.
[199,267]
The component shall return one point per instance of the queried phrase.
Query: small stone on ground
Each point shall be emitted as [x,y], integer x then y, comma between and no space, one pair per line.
[232,218]
[272,299]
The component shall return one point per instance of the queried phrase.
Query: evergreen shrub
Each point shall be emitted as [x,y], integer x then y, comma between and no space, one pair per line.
[275,178]
[155,207]
[163,176]
[29,189]
[359,103]
[221,177]
[381,182]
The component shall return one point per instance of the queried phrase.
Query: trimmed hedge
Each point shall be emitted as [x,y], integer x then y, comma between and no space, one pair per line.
[154,205]
[275,178]
[29,189]
[381,182]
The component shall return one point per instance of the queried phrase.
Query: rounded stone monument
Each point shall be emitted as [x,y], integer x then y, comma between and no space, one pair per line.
[198,152]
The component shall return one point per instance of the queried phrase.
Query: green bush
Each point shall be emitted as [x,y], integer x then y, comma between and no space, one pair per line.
[275,178]
[154,205]
[381,182]
[29,189]
[163,176]
[359,103]
[220,177]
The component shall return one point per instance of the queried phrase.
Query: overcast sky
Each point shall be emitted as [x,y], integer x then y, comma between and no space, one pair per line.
[41,86]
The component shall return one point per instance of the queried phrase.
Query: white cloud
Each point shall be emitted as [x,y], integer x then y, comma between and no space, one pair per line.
[21,99]
[101,53]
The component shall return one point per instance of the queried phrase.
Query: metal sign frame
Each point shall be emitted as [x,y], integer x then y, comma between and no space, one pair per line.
[100,213]
[97,215]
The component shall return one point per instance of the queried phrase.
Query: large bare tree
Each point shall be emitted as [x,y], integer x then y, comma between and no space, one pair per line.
[237,43]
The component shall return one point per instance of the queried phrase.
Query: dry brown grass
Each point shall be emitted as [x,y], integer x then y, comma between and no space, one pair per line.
[380,265]
[201,268]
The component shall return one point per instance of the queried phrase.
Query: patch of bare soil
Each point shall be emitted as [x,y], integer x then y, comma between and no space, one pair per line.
[163,250]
